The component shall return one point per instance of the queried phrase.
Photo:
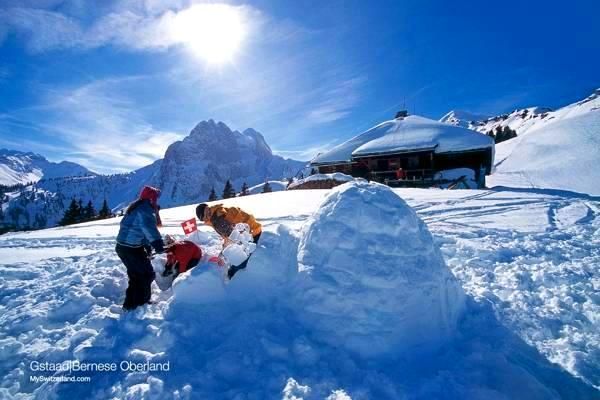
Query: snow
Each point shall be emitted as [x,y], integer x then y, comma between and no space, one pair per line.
[32,254]
[384,286]
[276,186]
[462,118]
[452,175]
[17,167]
[523,120]
[212,154]
[554,150]
[336,176]
[408,134]
[527,261]
[560,155]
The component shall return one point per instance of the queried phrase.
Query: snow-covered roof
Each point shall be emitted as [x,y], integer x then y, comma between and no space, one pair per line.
[412,133]
[337,176]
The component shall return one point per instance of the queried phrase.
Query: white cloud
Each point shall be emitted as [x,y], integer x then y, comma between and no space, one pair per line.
[104,127]
[135,25]
[42,29]
[337,102]
[306,154]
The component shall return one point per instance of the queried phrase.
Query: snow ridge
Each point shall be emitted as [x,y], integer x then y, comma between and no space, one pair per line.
[553,150]
[18,167]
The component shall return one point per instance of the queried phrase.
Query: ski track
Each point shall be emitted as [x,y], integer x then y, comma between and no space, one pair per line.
[542,283]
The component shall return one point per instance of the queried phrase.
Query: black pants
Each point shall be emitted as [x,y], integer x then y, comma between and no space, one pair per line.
[233,269]
[140,273]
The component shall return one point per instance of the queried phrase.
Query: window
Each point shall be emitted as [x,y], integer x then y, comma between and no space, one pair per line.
[413,162]
[382,165]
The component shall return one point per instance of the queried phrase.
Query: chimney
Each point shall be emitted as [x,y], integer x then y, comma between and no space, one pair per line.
[401,114]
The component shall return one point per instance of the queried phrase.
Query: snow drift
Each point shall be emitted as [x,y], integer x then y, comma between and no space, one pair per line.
[371,277]
[561,155]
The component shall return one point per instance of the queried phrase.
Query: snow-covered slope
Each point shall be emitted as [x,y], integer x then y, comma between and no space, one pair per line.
[213,154]
[529,328]
[553,150]
[525,119]
[560,155]
[17,167]
[276,186]
[409,133]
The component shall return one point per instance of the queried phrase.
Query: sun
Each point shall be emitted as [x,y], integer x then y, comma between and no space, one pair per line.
[214,32]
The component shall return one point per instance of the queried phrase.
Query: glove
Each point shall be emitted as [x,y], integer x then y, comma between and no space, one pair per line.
[159,246]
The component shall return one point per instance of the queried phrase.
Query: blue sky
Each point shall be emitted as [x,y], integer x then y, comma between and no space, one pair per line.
[111,84]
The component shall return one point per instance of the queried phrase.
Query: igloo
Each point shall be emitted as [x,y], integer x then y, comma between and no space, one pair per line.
[371,278]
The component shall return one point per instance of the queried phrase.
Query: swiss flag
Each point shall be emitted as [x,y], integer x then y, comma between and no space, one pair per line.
[189,226]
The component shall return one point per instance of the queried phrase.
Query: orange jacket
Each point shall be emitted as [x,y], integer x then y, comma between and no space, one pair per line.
[223,220]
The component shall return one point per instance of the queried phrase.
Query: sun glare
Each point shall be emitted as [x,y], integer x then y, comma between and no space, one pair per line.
[213,32]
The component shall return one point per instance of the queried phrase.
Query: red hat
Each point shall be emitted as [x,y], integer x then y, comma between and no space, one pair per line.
[152,194]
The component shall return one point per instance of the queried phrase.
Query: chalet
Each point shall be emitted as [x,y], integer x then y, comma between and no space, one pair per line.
[410,151]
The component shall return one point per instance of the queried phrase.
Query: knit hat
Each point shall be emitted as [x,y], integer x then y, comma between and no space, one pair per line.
[152,194]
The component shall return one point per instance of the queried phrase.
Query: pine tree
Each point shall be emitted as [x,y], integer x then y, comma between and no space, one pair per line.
[267,187]
[244,191]
[228,190]
[89,212]
[212,196]
[72,214]
[104,211]
[509,133]
[79,216]
[499,134]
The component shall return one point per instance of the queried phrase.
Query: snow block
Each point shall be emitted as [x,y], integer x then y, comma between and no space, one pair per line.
[371,278]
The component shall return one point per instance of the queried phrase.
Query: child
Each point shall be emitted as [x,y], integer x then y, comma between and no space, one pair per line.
[138,229]
[223,220]
[182,256]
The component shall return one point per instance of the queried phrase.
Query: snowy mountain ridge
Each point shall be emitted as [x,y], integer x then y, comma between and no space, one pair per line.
[462,118]
[17,167]
[525,119]
[553,150]
[209,156]
[213,153]
[519,120]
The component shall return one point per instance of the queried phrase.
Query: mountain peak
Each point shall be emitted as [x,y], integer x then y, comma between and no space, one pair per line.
[18,167]
[462,118]
[16,153]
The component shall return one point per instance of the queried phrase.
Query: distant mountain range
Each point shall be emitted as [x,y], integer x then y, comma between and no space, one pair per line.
[18,167]
[210,155]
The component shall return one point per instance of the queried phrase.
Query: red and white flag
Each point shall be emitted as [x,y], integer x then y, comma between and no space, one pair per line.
[189,226]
